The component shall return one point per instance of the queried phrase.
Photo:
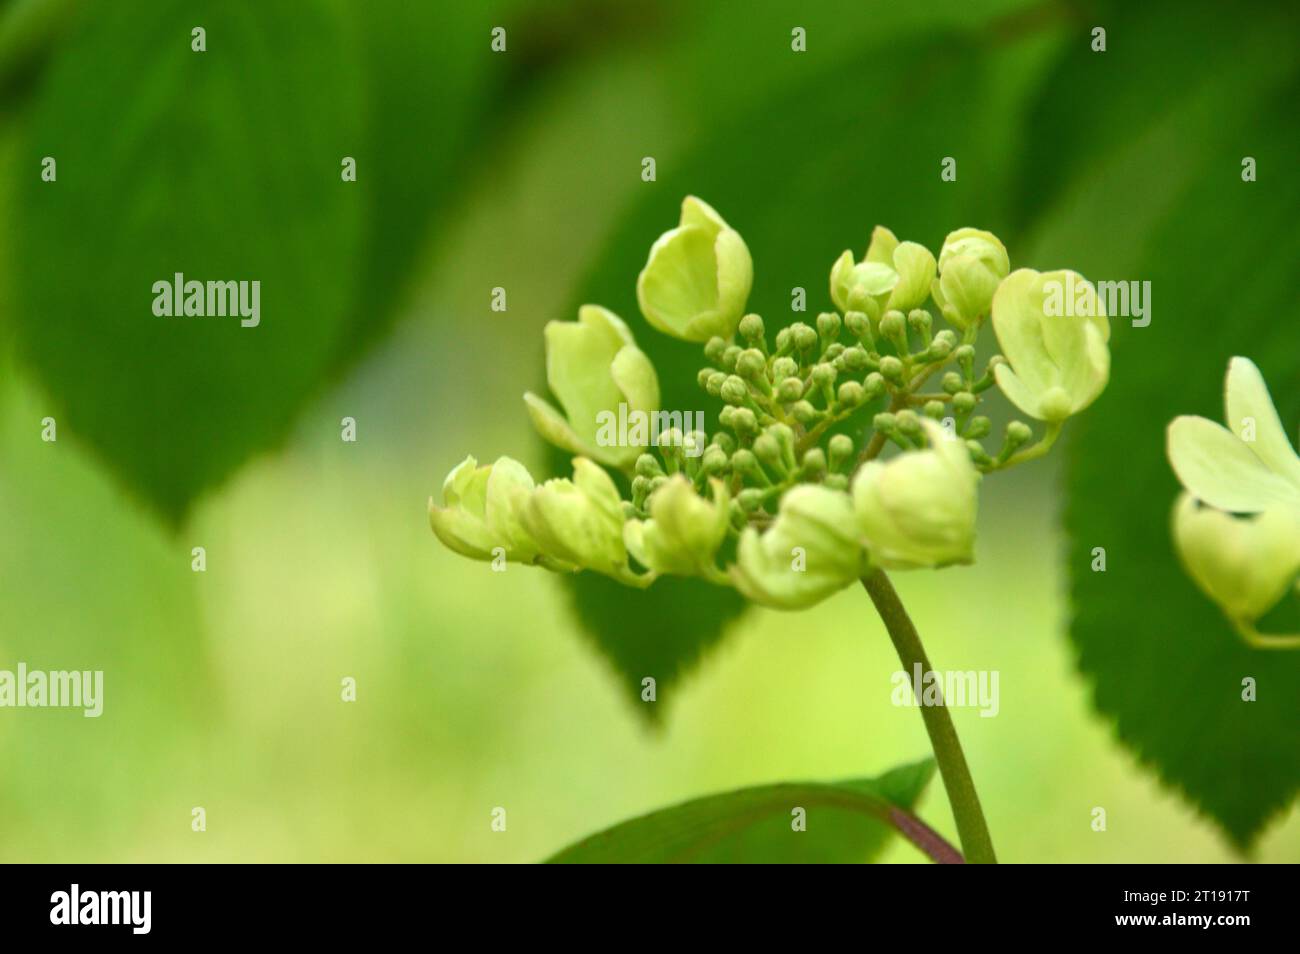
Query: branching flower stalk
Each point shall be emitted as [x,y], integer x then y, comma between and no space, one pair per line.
[793,497]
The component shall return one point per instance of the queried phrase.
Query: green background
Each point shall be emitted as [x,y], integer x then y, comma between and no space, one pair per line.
[479,689]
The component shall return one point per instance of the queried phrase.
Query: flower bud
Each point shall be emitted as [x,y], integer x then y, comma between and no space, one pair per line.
[730,355]
[891,368]
[593,366]
[647,466]
[809,552]
[823,374]
[743,421]
[784,367]
[858,325]
[714,348]
[971,264]
[684,531]
[580,521]
[1244,564]
[814,464]
[714,385]
[851,394]
[480,512]
[892,275]
[828,325]
[856,359]
[1058,361]
[918,509]
[874,385]
[804,412]
[789,390]
[979,426]
[734,390]
[805,339]
[908,423]
[963,402]
[841,449]
[933,410]
[751,364]
[697,279]
[751,328]
[952,382]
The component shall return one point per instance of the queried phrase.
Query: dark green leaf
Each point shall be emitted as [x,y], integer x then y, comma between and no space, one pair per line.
[847,822]
[222,165]
[1164,663]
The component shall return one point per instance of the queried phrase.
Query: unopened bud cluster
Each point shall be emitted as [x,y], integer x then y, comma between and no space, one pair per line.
[793,495]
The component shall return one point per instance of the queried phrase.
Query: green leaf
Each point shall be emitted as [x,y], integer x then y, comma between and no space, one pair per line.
[1220,254]
[847,822]
[823,182]
[223,165]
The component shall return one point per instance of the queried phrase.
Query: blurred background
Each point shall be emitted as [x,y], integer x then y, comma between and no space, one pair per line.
[522,169]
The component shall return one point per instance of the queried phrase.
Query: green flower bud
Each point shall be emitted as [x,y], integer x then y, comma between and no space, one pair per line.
[823,375]
[1018,433]
[648,466]
[918,509]
[809,552]
[892,368]
[833,351]
[874,385]
[715,382]
[851,394]
[963,402]
[730,355]
[892,275]
[893,326]
[751,364]
[684,531]
[750,499]
[885,422]
[920,321]
[727,417]
[697,278]
[751,328]
[858,325]
[725,442]
[714,348]
[592,366]
[734,390]
[828,326]
[971,264]
[744,421]
[841,450]
[784,367]
[783,340]
[908,422]
[856,359]
[979,427]
[804,412]
[480,512]
[933,410]
[1053,332]
[836,481]
[789,390]
[1244,564]
[580,521]
[768,450]
[940,347]
[702,377]
[805,339]
[952,382]
[813,466]
[714,461]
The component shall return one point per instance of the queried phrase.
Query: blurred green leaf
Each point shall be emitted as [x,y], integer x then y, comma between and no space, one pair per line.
[854,144]
[847,822]
[1164,663]
[222,165]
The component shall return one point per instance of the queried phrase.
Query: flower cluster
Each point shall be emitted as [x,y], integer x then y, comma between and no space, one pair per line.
[1237,524]
[791,497]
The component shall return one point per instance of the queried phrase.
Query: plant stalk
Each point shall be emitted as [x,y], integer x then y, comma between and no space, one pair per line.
[971,826]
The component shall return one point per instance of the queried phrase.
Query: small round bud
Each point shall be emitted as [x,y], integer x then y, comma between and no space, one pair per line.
[837,481]
[713,350]
[833,351]
[714,384]
[841,449]
[768,449]
[920,319]
[909,422]
[885,422]
[828,325]
[874,385]
[852,394]
[751,327]
[751,364]
[856,359]
[892,324]
[727,417]
[714,461]
[783,339]
[979,426]
[789,390]
[648,466]
[857,324]
[859,300]
[743,421]
[1018,432]
[823,375]
[892,368]
[814,463]
[734,390]
[963,402]
[702,376]
[656,483]
[640,486]
[670,441]
[804,412]
[724,441]
[940,347]
[783,367]
[805,339]
[933,410]
[693,443]
[730,356]
[952,382]
[750,499]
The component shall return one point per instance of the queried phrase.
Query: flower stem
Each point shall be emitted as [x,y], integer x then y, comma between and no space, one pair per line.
[971,827]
